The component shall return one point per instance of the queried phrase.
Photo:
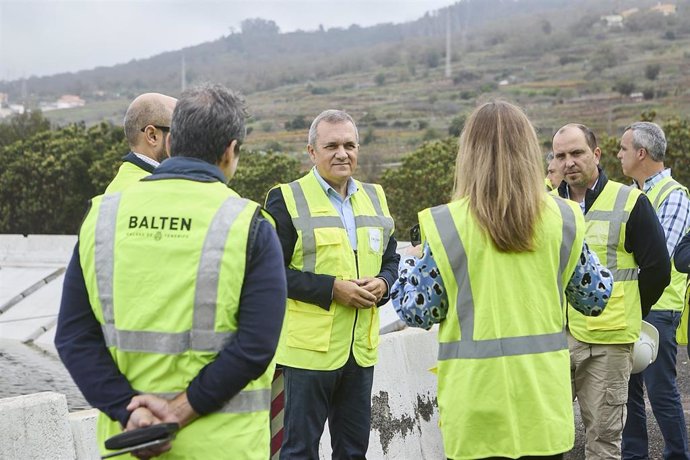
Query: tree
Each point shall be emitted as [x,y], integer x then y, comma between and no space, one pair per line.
[677,158]
[257,172]
[23,126]
[257,27]
[651,71]
[297,123]
[380,79]
[424,179]
[47,179]
[624,87]
[456,125]
[677,132]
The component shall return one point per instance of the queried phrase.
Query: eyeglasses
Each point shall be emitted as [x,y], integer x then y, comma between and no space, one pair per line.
[165,129]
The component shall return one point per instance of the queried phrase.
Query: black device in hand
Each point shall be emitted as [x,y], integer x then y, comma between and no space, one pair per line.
[141,438]
[415,235]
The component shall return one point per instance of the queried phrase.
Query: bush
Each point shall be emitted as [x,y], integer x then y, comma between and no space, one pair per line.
[297,123]
[651,71]
[424,179]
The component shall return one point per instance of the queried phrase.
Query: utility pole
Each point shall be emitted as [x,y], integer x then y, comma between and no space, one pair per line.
[183,78]
[448,42]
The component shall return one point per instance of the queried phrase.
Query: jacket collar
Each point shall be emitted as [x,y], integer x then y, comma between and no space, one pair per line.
[131,157]
[591,194]
[188,168]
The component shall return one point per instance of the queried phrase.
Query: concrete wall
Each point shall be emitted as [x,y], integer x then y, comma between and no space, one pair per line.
[404,411]
[38,427]
[404,422]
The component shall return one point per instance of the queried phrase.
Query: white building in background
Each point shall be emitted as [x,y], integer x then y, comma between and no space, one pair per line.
[613,20]
[70,101]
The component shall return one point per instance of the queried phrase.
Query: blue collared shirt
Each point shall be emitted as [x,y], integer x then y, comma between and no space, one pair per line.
[342,205]
[674,212]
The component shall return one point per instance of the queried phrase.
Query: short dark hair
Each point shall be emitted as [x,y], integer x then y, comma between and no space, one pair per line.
[207,118]
[590,138]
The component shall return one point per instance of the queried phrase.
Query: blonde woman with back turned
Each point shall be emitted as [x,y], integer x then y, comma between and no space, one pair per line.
[496,266]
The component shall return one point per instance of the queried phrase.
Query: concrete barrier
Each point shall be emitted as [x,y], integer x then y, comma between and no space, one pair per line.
[38,427]
[35,427]
[404,422]
[404,411]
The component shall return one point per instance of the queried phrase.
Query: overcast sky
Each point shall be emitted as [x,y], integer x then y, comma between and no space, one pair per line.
[43,37]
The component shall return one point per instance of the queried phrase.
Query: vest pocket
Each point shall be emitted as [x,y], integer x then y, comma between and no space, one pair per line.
[331,250]
[614,316]
[309,326]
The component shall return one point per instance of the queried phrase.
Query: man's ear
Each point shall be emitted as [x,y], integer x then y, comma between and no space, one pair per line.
[228,156]
[311,152]
[642,154]
[597,154]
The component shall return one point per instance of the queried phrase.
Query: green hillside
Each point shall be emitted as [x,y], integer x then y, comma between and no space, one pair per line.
[556,58]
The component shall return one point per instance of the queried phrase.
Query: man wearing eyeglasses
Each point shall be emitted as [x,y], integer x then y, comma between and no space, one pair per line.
[147,124]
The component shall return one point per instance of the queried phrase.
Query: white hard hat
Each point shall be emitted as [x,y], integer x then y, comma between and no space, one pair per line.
[646,348]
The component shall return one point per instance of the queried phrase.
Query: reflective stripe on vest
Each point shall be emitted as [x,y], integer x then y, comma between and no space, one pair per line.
[307,223]
[673,297]
[615,218]
[244,401]
[661,194]
[202,336]
[469,348]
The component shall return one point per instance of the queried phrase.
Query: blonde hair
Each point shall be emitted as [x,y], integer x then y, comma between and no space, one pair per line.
[499,169]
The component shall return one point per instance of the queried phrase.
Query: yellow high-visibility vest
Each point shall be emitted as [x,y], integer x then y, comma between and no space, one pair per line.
[673,297]
[163,263]
[504,368]
[606,223]
[318,339]
[127,174]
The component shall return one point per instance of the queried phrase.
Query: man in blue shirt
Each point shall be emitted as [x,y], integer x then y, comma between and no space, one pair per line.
[642,151]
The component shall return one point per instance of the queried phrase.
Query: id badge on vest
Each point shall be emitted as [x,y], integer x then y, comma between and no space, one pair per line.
[375,239]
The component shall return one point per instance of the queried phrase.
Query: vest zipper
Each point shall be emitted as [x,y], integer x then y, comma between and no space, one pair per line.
[354,326]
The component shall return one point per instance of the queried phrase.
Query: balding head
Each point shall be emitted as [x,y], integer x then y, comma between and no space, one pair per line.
[147,109]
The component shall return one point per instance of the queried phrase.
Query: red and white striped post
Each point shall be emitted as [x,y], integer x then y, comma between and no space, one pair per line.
[277,406]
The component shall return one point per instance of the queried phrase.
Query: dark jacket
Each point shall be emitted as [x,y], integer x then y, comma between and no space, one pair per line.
[81,346]
[316,288]
[644,238]
[681,258]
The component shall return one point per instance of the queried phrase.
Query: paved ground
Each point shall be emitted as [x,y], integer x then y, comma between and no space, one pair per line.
[25,369]
[656,442]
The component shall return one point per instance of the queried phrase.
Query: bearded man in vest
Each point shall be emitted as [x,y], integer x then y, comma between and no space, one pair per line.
[339,250]
[642,150]
[172,304]
[623,230]
[147,125]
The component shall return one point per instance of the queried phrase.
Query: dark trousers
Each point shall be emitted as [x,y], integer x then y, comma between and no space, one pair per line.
[342,396]
[662,391]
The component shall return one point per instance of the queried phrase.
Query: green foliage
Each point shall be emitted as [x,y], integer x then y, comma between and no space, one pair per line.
[258,172]
[22,127]
[430,135]
[624,87]
[49,177]
[611,165]
[456,125]
[380,79]
[369,136]
[651,71]
[297,123]
[424,179]
[677,132]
